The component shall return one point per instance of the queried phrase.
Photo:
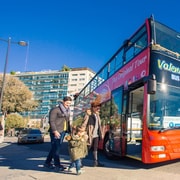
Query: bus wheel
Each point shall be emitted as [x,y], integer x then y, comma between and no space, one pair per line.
[106,149]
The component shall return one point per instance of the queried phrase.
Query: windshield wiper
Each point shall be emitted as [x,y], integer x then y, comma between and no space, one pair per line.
[169,128]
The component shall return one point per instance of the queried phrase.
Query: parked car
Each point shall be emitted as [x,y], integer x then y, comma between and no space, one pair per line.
[30,136]
[17,130]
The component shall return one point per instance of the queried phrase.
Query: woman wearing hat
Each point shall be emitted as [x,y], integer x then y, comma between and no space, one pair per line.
[94,131]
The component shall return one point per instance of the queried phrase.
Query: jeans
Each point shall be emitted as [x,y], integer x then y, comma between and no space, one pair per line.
[55,149]
[76,164]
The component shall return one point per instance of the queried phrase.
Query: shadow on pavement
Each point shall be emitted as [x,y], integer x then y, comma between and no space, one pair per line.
[32,157]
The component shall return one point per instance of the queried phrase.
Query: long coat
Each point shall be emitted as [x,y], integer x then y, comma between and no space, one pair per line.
[57,119]
[77,148]
[90,127]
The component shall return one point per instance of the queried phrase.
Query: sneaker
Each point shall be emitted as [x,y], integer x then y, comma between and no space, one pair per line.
[50,166]
[59,169]
[63,167]
[79,172]
[98,164]
[70,169]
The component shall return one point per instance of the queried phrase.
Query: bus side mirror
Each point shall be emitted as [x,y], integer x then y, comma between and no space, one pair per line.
[151,85]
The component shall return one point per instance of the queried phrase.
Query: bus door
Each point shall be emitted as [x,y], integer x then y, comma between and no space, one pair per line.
[133,121]
[115,121]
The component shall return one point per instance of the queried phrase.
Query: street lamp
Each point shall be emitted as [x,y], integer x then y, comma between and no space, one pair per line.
[21,43]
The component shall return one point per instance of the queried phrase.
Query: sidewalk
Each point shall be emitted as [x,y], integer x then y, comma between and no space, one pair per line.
[18,162]
[21,163]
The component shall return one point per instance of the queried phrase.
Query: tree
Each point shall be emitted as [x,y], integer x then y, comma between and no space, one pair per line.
[16,97]
[65,68]
[12,72]
[15,120]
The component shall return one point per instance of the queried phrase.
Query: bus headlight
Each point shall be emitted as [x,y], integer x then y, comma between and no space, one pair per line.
[157,148]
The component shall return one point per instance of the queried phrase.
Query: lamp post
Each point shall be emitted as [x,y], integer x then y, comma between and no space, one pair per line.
[21,43]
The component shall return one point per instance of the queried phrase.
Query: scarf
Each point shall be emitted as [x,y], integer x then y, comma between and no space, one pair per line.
[65,111]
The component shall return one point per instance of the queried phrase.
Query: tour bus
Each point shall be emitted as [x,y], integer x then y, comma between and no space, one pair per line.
[139,93]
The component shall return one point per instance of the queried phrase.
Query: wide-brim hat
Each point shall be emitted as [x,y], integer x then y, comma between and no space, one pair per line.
[95,104]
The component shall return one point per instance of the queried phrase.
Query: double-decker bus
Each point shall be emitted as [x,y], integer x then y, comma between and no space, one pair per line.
[139,92]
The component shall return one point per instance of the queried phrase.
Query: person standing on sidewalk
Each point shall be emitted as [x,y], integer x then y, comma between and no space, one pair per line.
[59,126]
[94,132]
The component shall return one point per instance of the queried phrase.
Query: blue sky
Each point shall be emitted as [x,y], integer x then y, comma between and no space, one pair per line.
[76,33]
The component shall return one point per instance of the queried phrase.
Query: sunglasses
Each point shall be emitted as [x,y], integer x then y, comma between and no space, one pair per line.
[96,106]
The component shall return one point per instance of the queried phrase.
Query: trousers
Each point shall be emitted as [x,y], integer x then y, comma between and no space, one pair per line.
[54,152]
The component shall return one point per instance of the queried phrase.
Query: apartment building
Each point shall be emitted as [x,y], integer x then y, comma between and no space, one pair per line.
[49,87]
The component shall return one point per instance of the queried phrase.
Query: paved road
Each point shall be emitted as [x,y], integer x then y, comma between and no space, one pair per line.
[19,162]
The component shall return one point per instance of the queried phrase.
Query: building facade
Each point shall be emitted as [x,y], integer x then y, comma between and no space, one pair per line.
[49,87]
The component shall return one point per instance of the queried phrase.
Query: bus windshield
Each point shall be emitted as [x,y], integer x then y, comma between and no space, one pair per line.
[166,38]
[164,108]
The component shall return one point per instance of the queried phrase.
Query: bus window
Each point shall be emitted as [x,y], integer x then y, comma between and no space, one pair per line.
[167,38]
[112,67]
[119,60]
[164,108]
[135,45]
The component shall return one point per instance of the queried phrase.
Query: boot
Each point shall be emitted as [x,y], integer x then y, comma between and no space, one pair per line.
[96,162]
